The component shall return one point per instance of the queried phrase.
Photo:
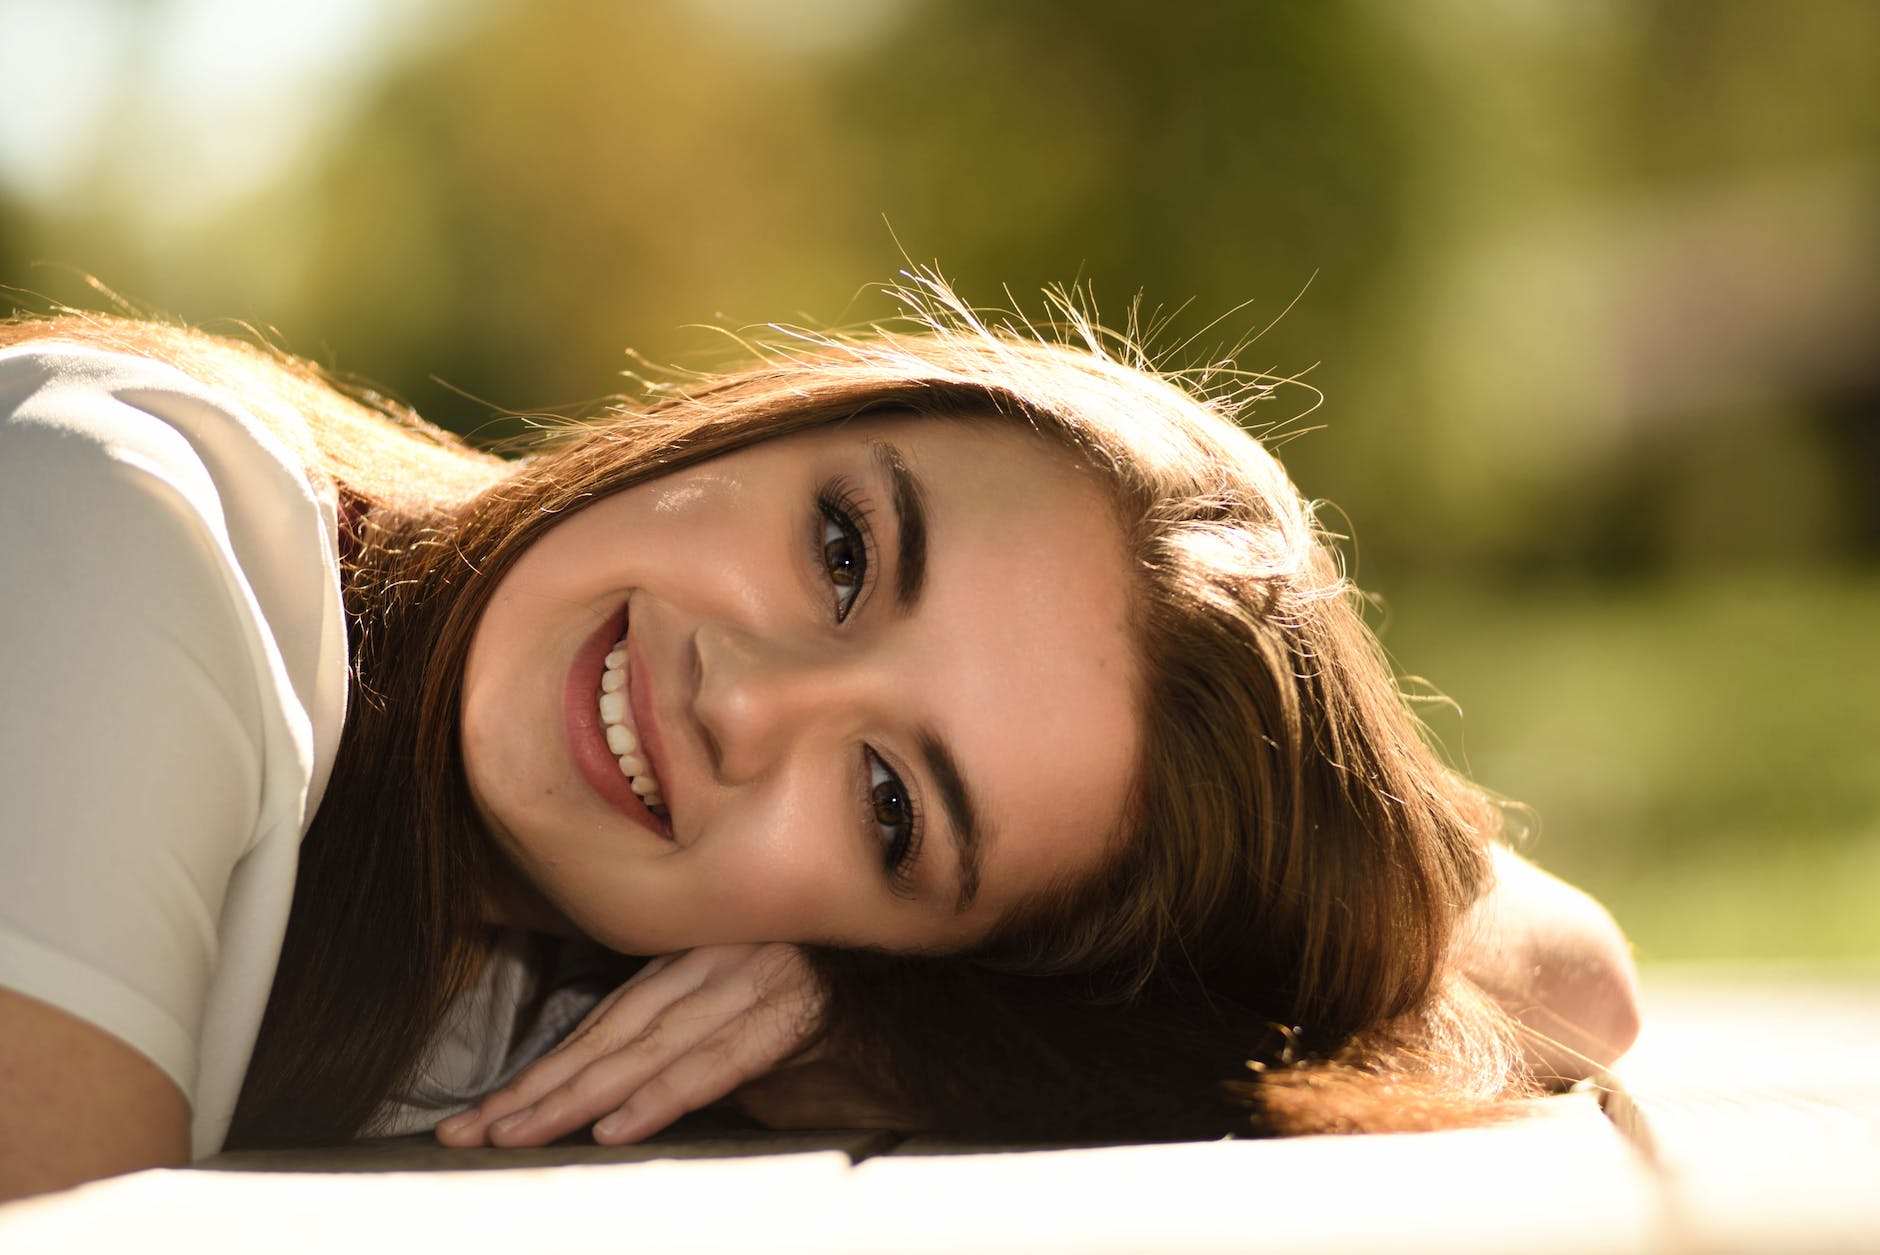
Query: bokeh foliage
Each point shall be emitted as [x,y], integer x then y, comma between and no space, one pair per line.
[1589,286]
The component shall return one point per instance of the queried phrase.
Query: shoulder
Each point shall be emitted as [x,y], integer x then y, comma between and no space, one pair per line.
[77,411]
[74,388]
[111,461]
[143,507]
[119,585]
[101,499]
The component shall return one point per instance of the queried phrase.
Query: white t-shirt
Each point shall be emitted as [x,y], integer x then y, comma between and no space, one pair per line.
[174,656]
[173,668]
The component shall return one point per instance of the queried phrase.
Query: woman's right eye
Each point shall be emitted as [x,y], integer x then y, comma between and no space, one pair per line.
[844,547]
[896,821]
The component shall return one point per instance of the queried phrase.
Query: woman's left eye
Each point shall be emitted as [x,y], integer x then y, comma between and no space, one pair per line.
[844,549]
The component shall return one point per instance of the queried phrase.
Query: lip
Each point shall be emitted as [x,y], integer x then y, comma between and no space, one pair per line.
[587,740]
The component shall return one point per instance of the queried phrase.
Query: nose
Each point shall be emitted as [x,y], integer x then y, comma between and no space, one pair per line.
[758,696]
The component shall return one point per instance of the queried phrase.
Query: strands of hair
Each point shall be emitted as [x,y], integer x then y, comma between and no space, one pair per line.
[1267,949]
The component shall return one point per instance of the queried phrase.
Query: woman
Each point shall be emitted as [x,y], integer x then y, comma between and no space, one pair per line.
[1010,681]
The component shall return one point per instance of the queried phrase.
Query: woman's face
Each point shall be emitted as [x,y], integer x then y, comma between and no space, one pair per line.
[876,681]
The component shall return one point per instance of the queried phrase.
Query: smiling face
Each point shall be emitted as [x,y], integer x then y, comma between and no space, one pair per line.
[876,679]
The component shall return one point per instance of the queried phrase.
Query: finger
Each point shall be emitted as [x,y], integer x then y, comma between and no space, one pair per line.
[731,1023]
[651,970]
[717,1066]
[469,1127]
[618,1016]
[608,1080]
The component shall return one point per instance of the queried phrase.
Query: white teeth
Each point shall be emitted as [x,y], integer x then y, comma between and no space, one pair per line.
[621,739]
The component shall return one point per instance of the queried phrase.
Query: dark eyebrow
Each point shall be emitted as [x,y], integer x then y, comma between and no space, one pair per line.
[969,835]
[910,574]
[910,510]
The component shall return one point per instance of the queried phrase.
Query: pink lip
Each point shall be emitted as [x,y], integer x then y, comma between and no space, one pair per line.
[587,741]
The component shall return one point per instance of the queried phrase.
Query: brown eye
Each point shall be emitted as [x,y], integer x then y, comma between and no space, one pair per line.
[839,557]
[890,806]
[896,822]
[844,554]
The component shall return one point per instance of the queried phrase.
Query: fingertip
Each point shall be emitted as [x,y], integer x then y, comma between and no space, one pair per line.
[460,1130]
[614,1130]
[508,1130]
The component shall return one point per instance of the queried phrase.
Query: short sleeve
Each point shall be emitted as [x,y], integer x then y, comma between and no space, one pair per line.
[130,751]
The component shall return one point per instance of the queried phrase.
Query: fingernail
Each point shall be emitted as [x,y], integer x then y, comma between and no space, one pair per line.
[511,1122]
[459,1121]
[613,1126]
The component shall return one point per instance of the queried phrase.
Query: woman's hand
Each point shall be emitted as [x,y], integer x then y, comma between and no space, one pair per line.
[685,1031]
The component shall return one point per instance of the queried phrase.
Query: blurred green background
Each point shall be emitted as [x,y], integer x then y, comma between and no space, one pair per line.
[1590,288]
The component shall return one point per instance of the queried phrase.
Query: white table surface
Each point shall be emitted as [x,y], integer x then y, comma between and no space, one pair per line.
[1751,1122]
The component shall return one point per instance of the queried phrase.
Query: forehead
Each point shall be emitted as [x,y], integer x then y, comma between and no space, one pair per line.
[1021,649]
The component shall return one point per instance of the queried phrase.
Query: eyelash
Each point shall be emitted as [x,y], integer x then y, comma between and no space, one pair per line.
[838,507]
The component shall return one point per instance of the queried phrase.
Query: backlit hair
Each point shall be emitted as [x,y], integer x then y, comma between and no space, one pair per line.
[1267,945]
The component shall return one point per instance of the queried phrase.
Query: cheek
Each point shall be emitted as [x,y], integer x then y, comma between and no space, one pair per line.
[740,565]
[656,524]
[770,867]
[778,868]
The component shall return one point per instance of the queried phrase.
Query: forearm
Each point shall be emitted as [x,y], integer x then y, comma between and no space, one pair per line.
[1558,963]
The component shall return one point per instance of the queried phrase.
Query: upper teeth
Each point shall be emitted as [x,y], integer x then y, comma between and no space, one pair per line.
[620,735]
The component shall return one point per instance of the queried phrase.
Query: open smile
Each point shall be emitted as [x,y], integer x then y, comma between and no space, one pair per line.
[604,730]
[616,710]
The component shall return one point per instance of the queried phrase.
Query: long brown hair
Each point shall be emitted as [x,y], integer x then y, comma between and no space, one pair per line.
[1266,949]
